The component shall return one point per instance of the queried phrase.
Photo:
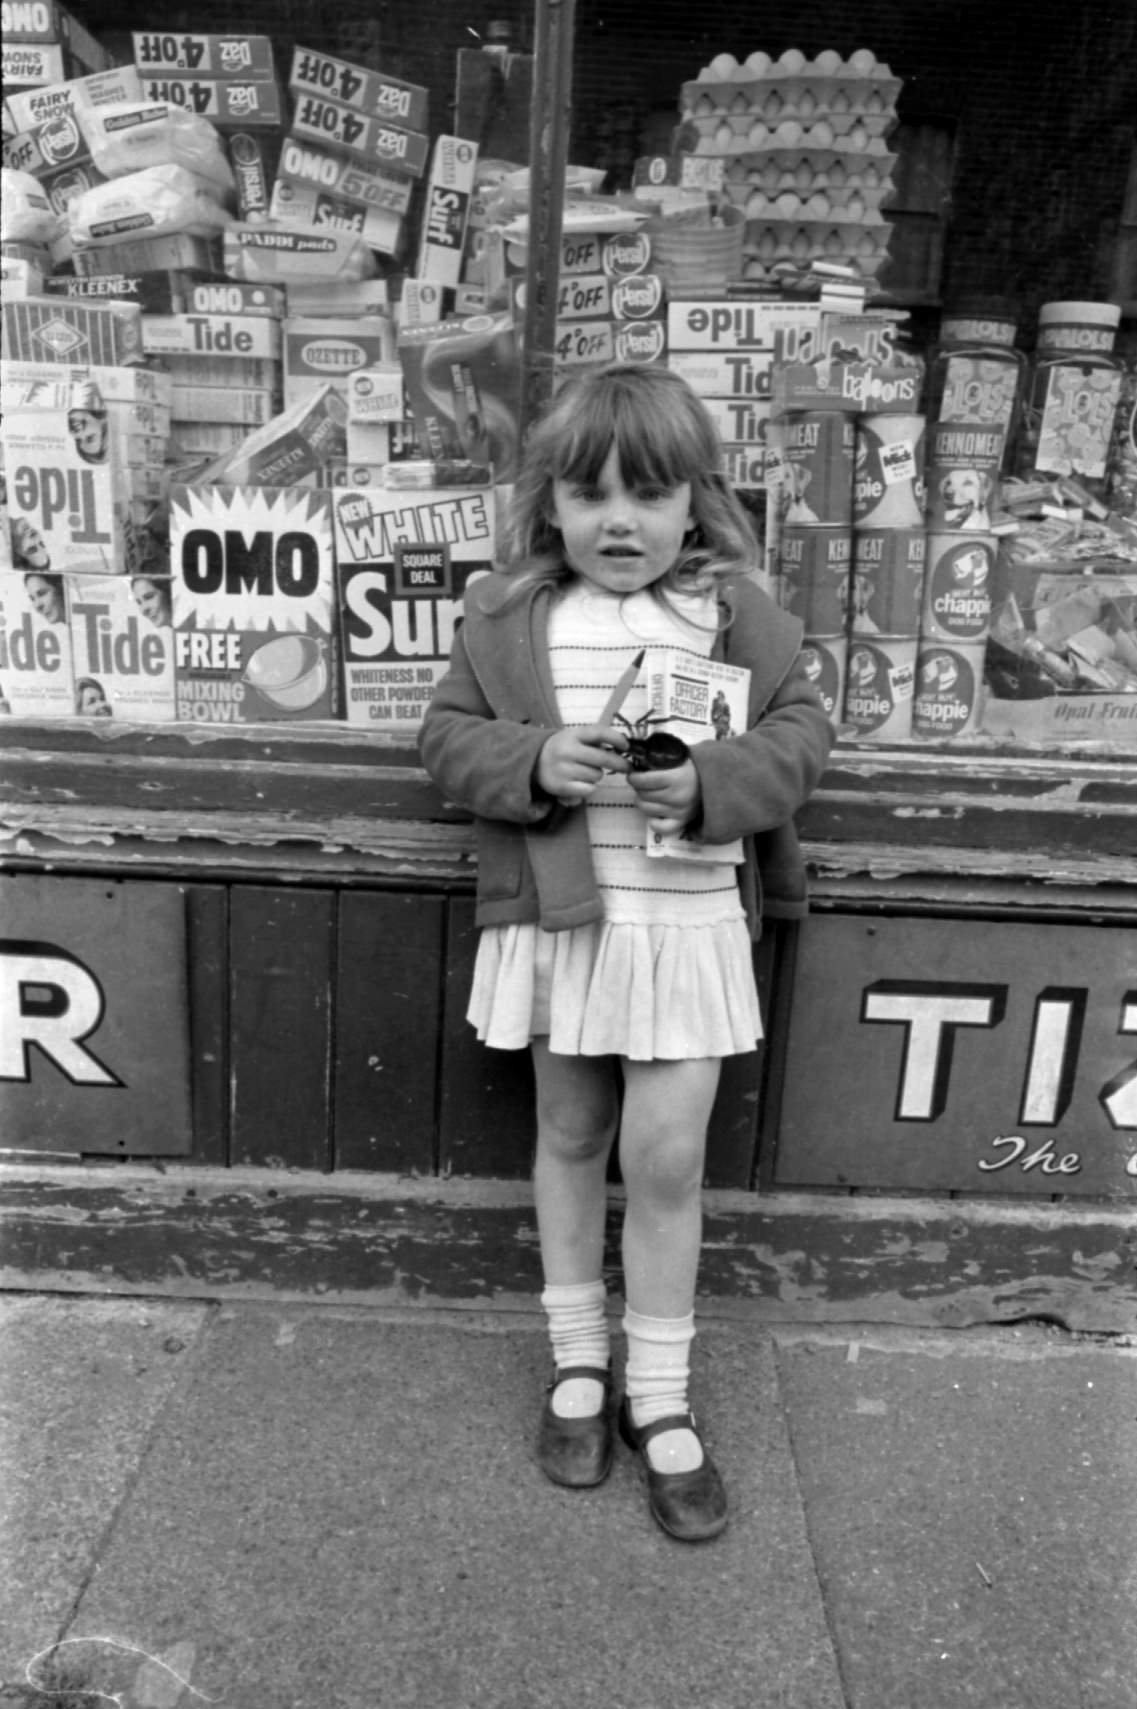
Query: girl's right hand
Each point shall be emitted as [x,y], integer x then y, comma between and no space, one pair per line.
[572,762]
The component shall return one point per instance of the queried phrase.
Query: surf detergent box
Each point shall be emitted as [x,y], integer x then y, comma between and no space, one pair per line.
[252,577]
[69,509]
[36,679]
[449,192]
[404,560]
[122,647]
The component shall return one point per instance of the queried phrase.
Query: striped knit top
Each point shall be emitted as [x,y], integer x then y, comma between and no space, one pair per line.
[593,637]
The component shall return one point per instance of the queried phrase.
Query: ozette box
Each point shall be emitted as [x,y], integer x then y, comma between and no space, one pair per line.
[253,590]
[36,679]
[122,647]
[319,351]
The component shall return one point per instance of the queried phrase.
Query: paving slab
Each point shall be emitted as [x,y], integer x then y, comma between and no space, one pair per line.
[343,1509]
[83,1383]
[973,1515]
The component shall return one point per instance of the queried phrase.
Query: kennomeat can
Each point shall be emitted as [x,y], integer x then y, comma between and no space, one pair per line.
[812,570]
[824,660]
[879,682]
[957,587]
[886,588]
[817,467]
[948,701]
[888,475]
[962,475]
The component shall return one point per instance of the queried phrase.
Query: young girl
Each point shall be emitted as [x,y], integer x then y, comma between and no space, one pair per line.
[618,970]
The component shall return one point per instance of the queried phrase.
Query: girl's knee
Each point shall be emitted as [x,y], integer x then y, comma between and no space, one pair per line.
[665,1164]
[575,1129]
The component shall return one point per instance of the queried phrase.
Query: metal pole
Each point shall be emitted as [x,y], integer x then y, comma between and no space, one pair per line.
[555,21]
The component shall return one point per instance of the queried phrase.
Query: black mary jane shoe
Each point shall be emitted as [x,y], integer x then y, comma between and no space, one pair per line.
[576,1452]
[688,1505]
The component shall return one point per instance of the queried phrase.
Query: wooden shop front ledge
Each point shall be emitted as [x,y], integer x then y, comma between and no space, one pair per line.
[937,826]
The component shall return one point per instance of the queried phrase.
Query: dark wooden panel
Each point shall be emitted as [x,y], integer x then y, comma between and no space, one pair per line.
[486,1120]
[732,1135]
[207,934]
[963,1055]
[388,1007]
[280,963]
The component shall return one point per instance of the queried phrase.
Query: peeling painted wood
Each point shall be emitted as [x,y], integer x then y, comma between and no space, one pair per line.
[786,1258]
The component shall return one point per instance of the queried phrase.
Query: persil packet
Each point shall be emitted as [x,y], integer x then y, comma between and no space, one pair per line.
[156,202]
[128,136]
[26,215]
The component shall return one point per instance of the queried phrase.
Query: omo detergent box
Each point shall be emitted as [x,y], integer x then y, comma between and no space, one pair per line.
[404,560]
[36,678]
[252,577]
[122,647]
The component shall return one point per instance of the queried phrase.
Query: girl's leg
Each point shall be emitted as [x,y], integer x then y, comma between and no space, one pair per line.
[577,1109]
[663,1135]
[667,1106]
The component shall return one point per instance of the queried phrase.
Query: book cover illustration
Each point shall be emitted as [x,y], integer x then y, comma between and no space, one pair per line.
[699,700]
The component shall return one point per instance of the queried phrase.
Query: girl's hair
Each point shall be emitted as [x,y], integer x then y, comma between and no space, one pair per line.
[663,436]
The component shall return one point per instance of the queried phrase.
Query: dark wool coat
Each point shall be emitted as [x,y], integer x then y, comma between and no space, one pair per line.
[496,707]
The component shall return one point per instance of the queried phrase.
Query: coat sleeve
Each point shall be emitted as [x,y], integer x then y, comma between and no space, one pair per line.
[758,780]
[480,762]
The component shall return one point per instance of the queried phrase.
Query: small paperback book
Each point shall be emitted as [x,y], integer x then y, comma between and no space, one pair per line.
[700,700]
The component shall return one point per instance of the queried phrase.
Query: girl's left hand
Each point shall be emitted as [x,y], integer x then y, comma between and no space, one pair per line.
[670,799]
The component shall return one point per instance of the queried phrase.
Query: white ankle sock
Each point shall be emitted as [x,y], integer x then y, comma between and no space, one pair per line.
[659,1353]
[578,1330]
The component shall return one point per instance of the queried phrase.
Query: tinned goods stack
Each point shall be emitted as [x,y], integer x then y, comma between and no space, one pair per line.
[974,398]
[804,144]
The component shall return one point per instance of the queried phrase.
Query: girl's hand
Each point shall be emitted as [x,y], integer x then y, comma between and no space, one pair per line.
[670,799]
[572,762]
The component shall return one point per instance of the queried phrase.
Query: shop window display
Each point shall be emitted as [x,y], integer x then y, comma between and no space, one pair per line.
[263,293]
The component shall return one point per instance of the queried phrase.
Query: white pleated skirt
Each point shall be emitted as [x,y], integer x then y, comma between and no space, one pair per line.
[646,992]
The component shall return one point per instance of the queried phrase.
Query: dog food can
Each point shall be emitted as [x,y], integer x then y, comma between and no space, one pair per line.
[888,477]
[887,585]
[813,576]
[949,691]
[879,681]
[957,587]
[817,472]
[824,659]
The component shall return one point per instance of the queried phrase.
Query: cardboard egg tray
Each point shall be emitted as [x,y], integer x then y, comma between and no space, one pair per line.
[769,244]
[815,197]
[723,135]
[786,96]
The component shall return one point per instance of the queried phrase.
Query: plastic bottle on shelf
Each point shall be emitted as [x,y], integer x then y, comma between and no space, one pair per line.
[1072,395]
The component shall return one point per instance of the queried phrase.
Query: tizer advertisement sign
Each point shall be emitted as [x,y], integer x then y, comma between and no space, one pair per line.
[971,1056]
[94,1017]
[404,561]
[252,604]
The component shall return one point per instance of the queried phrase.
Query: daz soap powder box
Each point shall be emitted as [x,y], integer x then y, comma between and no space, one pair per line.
[252,580]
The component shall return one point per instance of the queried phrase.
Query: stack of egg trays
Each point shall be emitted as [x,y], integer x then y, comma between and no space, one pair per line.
[807,160]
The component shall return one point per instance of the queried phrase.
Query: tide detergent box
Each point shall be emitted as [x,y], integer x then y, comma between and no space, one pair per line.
[122,647]
[68,500]
[252,579]
[404,560]
[36,679]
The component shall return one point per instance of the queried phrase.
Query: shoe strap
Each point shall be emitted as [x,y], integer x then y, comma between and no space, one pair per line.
[598,1373]
[674,1421]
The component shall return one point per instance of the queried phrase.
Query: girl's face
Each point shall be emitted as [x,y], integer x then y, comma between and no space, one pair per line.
[617,538]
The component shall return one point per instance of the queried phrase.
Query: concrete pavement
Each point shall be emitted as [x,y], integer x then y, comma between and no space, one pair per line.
[292,1506]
